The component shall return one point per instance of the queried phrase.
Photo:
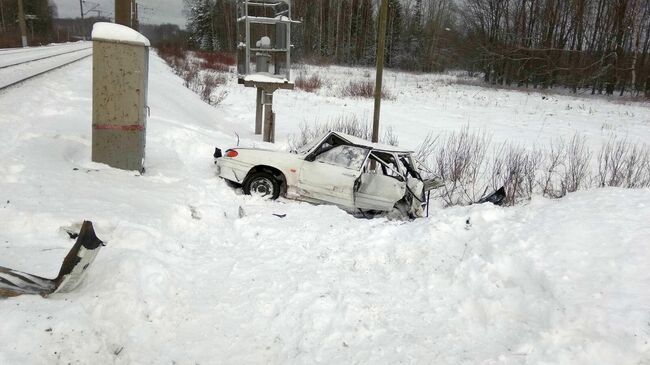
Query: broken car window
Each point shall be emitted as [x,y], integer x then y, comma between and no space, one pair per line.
[329,143]
[385,164]
[350,157]
[406,164]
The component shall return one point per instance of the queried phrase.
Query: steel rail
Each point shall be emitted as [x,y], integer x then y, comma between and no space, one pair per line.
[43,58]
[44,71]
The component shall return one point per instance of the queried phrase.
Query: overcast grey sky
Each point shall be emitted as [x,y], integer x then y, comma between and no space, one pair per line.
[162,11]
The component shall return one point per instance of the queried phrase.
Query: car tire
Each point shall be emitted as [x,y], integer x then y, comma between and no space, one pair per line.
[262,184]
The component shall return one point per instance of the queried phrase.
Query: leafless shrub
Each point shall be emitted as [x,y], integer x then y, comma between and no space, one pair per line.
[219,97]
[623,164]
[190,75]
[175,56]
[566,167]
[459,161]
[637,167]
[610,163]
[553,163]
[210,83]
[426,148]
[389,137]
[177,64]
[171,51]
[348,124]
[515,169]
[215,58]
[316,60]
[309,84]
[578,158]
[363,89]
[497,168]
[530,170]
[219,67]
[203,74]
[460,164]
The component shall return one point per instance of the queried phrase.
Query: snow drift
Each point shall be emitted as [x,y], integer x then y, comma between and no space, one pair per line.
[197,273]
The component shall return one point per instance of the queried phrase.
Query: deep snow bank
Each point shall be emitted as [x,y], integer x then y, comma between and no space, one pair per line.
[184,279]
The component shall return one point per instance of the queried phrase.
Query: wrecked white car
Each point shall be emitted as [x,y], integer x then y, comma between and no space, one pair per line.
[354,174]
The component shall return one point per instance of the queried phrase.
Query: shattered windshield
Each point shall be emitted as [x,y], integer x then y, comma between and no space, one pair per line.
[350,157]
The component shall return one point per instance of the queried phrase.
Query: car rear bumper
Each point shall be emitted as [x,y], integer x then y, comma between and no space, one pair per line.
[232,170]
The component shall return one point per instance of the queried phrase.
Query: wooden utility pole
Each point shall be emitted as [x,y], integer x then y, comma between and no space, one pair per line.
[123,12]
[21,22]
[383,15]
[2,16]
[83,22]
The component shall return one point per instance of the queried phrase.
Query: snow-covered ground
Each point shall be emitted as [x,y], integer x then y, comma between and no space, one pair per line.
[424,103]
[195,273]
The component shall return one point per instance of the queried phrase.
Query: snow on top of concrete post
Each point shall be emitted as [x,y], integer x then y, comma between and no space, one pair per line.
[118,33]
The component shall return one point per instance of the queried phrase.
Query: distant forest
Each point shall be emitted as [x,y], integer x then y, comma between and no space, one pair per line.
[39,24]
[596,45]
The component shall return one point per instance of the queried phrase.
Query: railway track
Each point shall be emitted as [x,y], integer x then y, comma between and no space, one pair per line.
[17,66]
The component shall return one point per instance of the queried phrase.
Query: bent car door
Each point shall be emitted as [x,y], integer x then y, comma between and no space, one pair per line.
[382,188]
[332,174]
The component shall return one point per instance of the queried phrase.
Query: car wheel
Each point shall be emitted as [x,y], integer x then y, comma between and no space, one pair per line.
[262,184]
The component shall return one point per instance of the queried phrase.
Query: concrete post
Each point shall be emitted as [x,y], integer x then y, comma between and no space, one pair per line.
[268,118]
[120,72]
[259,107]
[264,120]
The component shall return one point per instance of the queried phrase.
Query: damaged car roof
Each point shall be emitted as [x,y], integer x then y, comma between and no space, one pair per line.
[375,146]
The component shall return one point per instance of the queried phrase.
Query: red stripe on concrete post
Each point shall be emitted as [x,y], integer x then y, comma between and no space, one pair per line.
[119,127]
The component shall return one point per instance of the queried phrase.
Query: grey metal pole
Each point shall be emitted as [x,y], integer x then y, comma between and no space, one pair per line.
[21,22]
[272,136]
[248,39]
[288,65]
[383,14]
[259,108]
[135,21]
[269,126]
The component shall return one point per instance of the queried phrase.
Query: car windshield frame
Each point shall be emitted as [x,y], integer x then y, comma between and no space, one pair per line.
[312,145]
[357,167]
